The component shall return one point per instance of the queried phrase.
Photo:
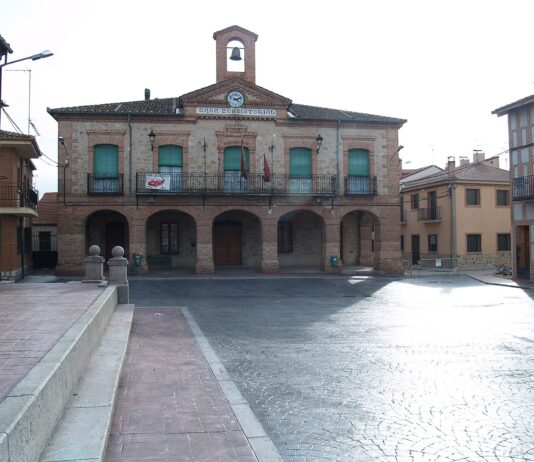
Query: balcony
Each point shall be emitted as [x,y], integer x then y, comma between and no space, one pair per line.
[403,216]
[360,186]
[18,200]
[523,188]
[429,214]
[105,184]
[232,183]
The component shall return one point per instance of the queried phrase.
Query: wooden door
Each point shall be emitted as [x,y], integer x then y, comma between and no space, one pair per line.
[227,244]
[523,252]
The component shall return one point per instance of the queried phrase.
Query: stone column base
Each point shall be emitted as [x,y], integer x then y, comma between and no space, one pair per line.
[270,266]
[202,268]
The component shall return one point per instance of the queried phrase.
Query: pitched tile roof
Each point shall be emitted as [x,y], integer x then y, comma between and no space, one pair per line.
[301,111]
[15,136]
[47,210]
[167,106]
[515,105]
[480,172]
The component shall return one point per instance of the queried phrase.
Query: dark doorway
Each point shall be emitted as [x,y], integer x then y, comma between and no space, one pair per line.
[115,235]
[433,205]
[416,256]
[227,241]
[523,252]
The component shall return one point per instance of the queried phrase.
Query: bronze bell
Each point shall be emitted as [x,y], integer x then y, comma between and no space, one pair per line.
[236,54]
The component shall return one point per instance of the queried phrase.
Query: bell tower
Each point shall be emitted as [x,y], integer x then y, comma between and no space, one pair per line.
[235,54]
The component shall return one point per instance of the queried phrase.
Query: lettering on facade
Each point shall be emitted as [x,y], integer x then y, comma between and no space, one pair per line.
[216,111]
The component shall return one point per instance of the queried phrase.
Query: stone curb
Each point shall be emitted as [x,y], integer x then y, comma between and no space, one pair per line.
[32,409]
[259,441]
[83,431]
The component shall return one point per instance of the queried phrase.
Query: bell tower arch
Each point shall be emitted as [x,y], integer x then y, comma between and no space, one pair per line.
[235,44]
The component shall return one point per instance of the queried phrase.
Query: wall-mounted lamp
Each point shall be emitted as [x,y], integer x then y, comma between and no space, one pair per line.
[61,141]
[152,137]
[319,140]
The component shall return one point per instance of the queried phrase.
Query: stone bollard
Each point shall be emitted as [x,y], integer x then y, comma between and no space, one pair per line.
[94,265]
[118,274]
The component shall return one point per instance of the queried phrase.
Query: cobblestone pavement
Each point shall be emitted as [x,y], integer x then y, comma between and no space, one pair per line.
[30,325]
[370,369]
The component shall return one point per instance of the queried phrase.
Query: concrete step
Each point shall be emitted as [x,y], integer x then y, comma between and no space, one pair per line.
[32,409]
[83,432]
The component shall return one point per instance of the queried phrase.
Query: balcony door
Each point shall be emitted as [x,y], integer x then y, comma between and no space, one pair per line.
[300,170]
[358,166]
[432,200]
[106,168]
[170,165]
[416,255]
[234,181]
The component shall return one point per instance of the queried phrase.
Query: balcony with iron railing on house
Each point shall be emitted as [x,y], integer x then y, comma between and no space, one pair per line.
[105,184]
[17,197]
[232,183]
[360,186]
[429,214]
[523,188]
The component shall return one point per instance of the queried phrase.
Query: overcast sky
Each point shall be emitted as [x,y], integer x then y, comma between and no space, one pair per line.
[442,65]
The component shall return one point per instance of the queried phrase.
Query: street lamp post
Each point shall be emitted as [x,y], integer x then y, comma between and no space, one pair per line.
[43,54]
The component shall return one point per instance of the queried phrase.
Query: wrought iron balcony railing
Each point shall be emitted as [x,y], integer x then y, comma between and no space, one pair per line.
[360,186]
[231,182]
[523,188]
[105,184]
[18,196]
[403,215]
[429,214]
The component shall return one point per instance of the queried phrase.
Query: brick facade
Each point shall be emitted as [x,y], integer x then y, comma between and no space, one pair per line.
[326,221]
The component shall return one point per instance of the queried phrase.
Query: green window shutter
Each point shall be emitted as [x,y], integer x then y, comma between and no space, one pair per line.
[358,162]
[300,162]
[232,158]
[170,156]
[106,158]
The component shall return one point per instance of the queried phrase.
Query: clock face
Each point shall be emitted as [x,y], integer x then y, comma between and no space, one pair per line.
[235,98]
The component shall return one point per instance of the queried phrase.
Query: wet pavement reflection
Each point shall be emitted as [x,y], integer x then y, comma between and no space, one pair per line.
[373,369]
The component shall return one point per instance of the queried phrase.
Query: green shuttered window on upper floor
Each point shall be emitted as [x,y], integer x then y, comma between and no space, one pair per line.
[106,160]
[170,158]
[300,170]
[358,162]
[232,158]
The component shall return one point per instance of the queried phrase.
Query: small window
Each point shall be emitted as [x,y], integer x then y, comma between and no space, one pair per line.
[432,242]
[503,242]
[503,197]
[169,238]
[402,243]
[472,196]
[474,242]
[285,237]
[414,199]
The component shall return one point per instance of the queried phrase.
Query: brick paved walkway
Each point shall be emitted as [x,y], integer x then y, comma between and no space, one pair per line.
[32,319]
[170,406]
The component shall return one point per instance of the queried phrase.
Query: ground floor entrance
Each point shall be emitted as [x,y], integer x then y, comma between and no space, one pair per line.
[227,242]
[523,252]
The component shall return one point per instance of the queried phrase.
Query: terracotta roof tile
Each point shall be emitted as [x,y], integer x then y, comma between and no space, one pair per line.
[47,210]
[515,105]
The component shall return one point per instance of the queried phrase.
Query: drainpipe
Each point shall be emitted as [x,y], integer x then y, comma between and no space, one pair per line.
[453,223]
[129,153]
[337,158]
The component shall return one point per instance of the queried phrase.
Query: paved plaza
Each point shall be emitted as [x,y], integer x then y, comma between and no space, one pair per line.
[372,369]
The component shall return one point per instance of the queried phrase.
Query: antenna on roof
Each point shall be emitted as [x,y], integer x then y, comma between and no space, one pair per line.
[34,128]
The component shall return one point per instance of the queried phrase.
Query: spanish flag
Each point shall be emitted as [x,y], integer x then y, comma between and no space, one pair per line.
[243,161]
[266,170]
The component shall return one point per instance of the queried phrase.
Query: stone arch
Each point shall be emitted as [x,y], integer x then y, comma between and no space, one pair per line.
[107,228]
[171,239]
[237,239]
[360,239]
[301,239]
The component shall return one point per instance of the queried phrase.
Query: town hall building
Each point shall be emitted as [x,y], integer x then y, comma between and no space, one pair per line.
[229,175]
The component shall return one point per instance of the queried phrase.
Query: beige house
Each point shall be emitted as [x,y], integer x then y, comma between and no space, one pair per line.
[458,217]
[521,143]
[232,174]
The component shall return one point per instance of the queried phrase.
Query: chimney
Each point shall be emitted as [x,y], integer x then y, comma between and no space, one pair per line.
[451,164]
[464,161]
[147,94]
[478,156]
